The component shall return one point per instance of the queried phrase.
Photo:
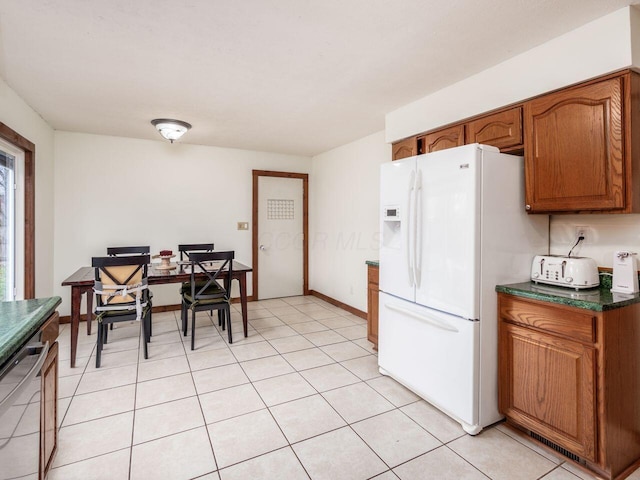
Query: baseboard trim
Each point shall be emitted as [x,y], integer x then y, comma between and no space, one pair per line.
[337,303]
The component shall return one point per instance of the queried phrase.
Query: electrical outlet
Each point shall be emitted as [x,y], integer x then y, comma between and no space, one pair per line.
[243,225]
[582,231]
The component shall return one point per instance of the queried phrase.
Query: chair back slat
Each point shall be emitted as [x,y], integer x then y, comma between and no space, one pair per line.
[186,249]
[129,271]
[201,262]
[137,250]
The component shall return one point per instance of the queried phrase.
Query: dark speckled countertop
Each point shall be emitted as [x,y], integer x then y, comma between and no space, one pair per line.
[597,299]
[373,263]
[20,320]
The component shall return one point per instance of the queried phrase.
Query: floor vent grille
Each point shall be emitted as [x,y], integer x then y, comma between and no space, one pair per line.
[557,448]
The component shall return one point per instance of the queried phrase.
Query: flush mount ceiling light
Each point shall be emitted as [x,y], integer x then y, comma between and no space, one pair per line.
[170,129]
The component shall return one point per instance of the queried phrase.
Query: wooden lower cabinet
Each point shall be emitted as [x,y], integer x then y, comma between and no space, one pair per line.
[562,372]
[49,411]
[49,396]
[373,273]
[572,377]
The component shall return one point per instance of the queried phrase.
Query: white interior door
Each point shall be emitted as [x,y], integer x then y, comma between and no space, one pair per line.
[280,237]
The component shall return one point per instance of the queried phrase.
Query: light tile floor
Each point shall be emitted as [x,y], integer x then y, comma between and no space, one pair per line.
[300,398]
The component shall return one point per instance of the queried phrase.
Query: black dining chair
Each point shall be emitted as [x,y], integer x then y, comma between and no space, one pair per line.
[116,252]
[122,295]
[207,294]
[124,251]
[185,250]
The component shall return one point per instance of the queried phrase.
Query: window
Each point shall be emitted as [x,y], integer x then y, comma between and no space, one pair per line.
[24,239]
[11,222]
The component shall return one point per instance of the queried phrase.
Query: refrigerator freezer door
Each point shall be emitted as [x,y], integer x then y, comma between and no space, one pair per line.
[433,354]
[448,246]
[397,243]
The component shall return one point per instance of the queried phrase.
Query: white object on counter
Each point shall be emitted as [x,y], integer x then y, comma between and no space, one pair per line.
[564,271]
[625,273]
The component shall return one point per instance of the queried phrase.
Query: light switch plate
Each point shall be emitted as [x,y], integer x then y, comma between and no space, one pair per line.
[243,225]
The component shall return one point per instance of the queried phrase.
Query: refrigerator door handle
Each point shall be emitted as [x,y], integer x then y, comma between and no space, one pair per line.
[430,320]
[417,226]
[410,229]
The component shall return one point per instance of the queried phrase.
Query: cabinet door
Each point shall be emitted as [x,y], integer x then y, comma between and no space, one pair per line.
[372,305]
[49,410]
[574,149]
[404,148]
[502,129]
[445,138]
[547,386]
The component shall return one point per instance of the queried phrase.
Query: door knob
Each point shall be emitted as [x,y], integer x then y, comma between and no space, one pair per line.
[262,247]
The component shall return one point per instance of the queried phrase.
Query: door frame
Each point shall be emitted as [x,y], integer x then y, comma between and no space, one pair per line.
[14,138]
[305,226]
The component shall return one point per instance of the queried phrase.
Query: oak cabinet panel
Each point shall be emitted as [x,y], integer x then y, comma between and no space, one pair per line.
[574,149]
[572,324]
[404,148]
[373,294]
[446,138]
[549,387]
[502,129]
[49,410]
[49,395]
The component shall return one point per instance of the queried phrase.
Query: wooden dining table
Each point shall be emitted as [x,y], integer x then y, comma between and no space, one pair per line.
[81,282]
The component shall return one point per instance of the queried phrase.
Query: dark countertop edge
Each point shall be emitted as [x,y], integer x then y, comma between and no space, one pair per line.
[26,336]
[516,290]
[373,263]
[49,311]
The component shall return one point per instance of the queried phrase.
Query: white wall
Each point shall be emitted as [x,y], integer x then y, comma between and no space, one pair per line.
[17,115]
[181,193]
[598,47]
[606,234]
[344,223]
[604,45]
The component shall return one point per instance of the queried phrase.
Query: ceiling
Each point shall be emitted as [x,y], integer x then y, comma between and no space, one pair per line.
[288,76]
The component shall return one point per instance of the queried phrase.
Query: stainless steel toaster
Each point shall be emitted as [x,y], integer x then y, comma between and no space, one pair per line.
[572,272]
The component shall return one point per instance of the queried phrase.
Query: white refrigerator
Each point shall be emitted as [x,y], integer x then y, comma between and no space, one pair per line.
[453,226]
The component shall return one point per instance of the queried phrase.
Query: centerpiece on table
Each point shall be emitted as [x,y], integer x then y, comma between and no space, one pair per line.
[165,257]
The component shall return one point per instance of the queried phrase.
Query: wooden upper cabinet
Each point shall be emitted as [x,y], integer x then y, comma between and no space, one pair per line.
[441,139]
[581,145]
[501,129]
[574,149]
[404,148]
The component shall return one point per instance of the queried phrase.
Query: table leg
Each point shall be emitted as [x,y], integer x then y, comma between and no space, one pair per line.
[76,297]
[242,280]
[89,310]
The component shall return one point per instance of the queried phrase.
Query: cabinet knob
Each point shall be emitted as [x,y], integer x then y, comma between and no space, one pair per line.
[527,207]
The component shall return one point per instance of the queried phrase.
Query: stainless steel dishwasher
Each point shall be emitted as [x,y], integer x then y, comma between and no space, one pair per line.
[20,412]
